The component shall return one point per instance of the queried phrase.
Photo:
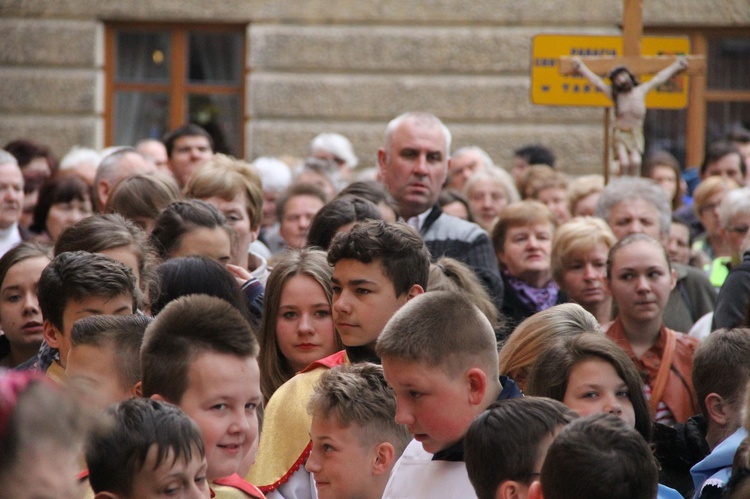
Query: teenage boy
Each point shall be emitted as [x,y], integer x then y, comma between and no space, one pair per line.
[75,285]
[440,356]
[201,355]
[377,268]
[598,456]
[104,364]
[506,445]
[146,448]
[721,370]
[355,440]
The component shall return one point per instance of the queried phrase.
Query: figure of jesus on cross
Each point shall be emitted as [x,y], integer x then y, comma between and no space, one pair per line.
[629,98]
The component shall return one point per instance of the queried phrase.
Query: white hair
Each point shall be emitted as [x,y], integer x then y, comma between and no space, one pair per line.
[424,119]
[78,155]
[494,174]
[275,175]
[335,144]
[488,163]
[7,158]
[736,202]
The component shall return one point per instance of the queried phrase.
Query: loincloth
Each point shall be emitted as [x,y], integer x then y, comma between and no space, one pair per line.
[631,138]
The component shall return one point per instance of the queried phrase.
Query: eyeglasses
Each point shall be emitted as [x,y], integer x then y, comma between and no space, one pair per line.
[740,231]
[709,207]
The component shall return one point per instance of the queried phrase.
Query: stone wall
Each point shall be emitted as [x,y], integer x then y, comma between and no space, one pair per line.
[335,65]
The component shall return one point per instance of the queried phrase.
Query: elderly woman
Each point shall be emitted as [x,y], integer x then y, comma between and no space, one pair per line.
[706,201]
[489,191]
[579,264]
[523,240]
[583,193]
[734,219]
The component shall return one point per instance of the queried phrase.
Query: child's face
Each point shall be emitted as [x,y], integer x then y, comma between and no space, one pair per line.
[172,478]
[304,326]
[341,465]
[434,407]
[364,299]
[92,376]
[20,315]
[223,392]
[595,387]
[78,309]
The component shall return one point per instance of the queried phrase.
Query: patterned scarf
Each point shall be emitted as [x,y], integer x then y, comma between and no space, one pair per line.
[537,298]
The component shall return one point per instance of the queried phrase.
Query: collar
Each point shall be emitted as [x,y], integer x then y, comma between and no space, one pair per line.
[418,221]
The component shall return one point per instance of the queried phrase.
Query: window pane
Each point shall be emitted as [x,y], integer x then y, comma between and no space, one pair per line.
[143,56]
[215,58]
[722,117]
[221,116]
[140,115]
[728,67]
[665,131]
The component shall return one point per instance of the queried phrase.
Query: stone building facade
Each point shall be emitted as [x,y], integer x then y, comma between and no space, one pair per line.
[335,65]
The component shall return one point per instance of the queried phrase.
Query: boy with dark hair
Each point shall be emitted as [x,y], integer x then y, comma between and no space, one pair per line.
[75,285]
[377,268]
[598,456]
[355,440]
[201,355]
[104,364]
[721,370]
[146,448]
[440,356]
[506,445]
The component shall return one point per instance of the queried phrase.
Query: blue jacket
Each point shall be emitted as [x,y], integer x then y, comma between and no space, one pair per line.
[716,468]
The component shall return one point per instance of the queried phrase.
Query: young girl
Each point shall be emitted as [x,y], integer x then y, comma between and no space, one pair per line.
[537,333]
[640,279]
[590,374]
[192,228]
[64,199]
[297,326]
[113,236]
[20,316]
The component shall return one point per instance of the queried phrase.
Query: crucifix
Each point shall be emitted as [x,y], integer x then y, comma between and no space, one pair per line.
[627,94]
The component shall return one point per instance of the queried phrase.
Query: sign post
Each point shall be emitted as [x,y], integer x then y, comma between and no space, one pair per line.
[554,83]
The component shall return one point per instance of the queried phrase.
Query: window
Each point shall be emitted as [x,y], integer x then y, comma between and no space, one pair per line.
[718,101]
[159,77]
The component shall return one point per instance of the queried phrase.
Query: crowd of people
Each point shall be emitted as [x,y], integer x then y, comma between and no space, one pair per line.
[178,322]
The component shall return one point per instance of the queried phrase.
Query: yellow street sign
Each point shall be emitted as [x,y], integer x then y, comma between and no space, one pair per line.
[549,87]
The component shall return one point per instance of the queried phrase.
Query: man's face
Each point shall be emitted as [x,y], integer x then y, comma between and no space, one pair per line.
[727,166]
[622,82]
[413,165]
[462,167]
[189,152]
[78,309]
[11,194]
[298,216]
[155,151]
[634,216]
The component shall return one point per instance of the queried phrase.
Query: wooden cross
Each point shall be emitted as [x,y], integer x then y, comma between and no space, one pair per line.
[638,64]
